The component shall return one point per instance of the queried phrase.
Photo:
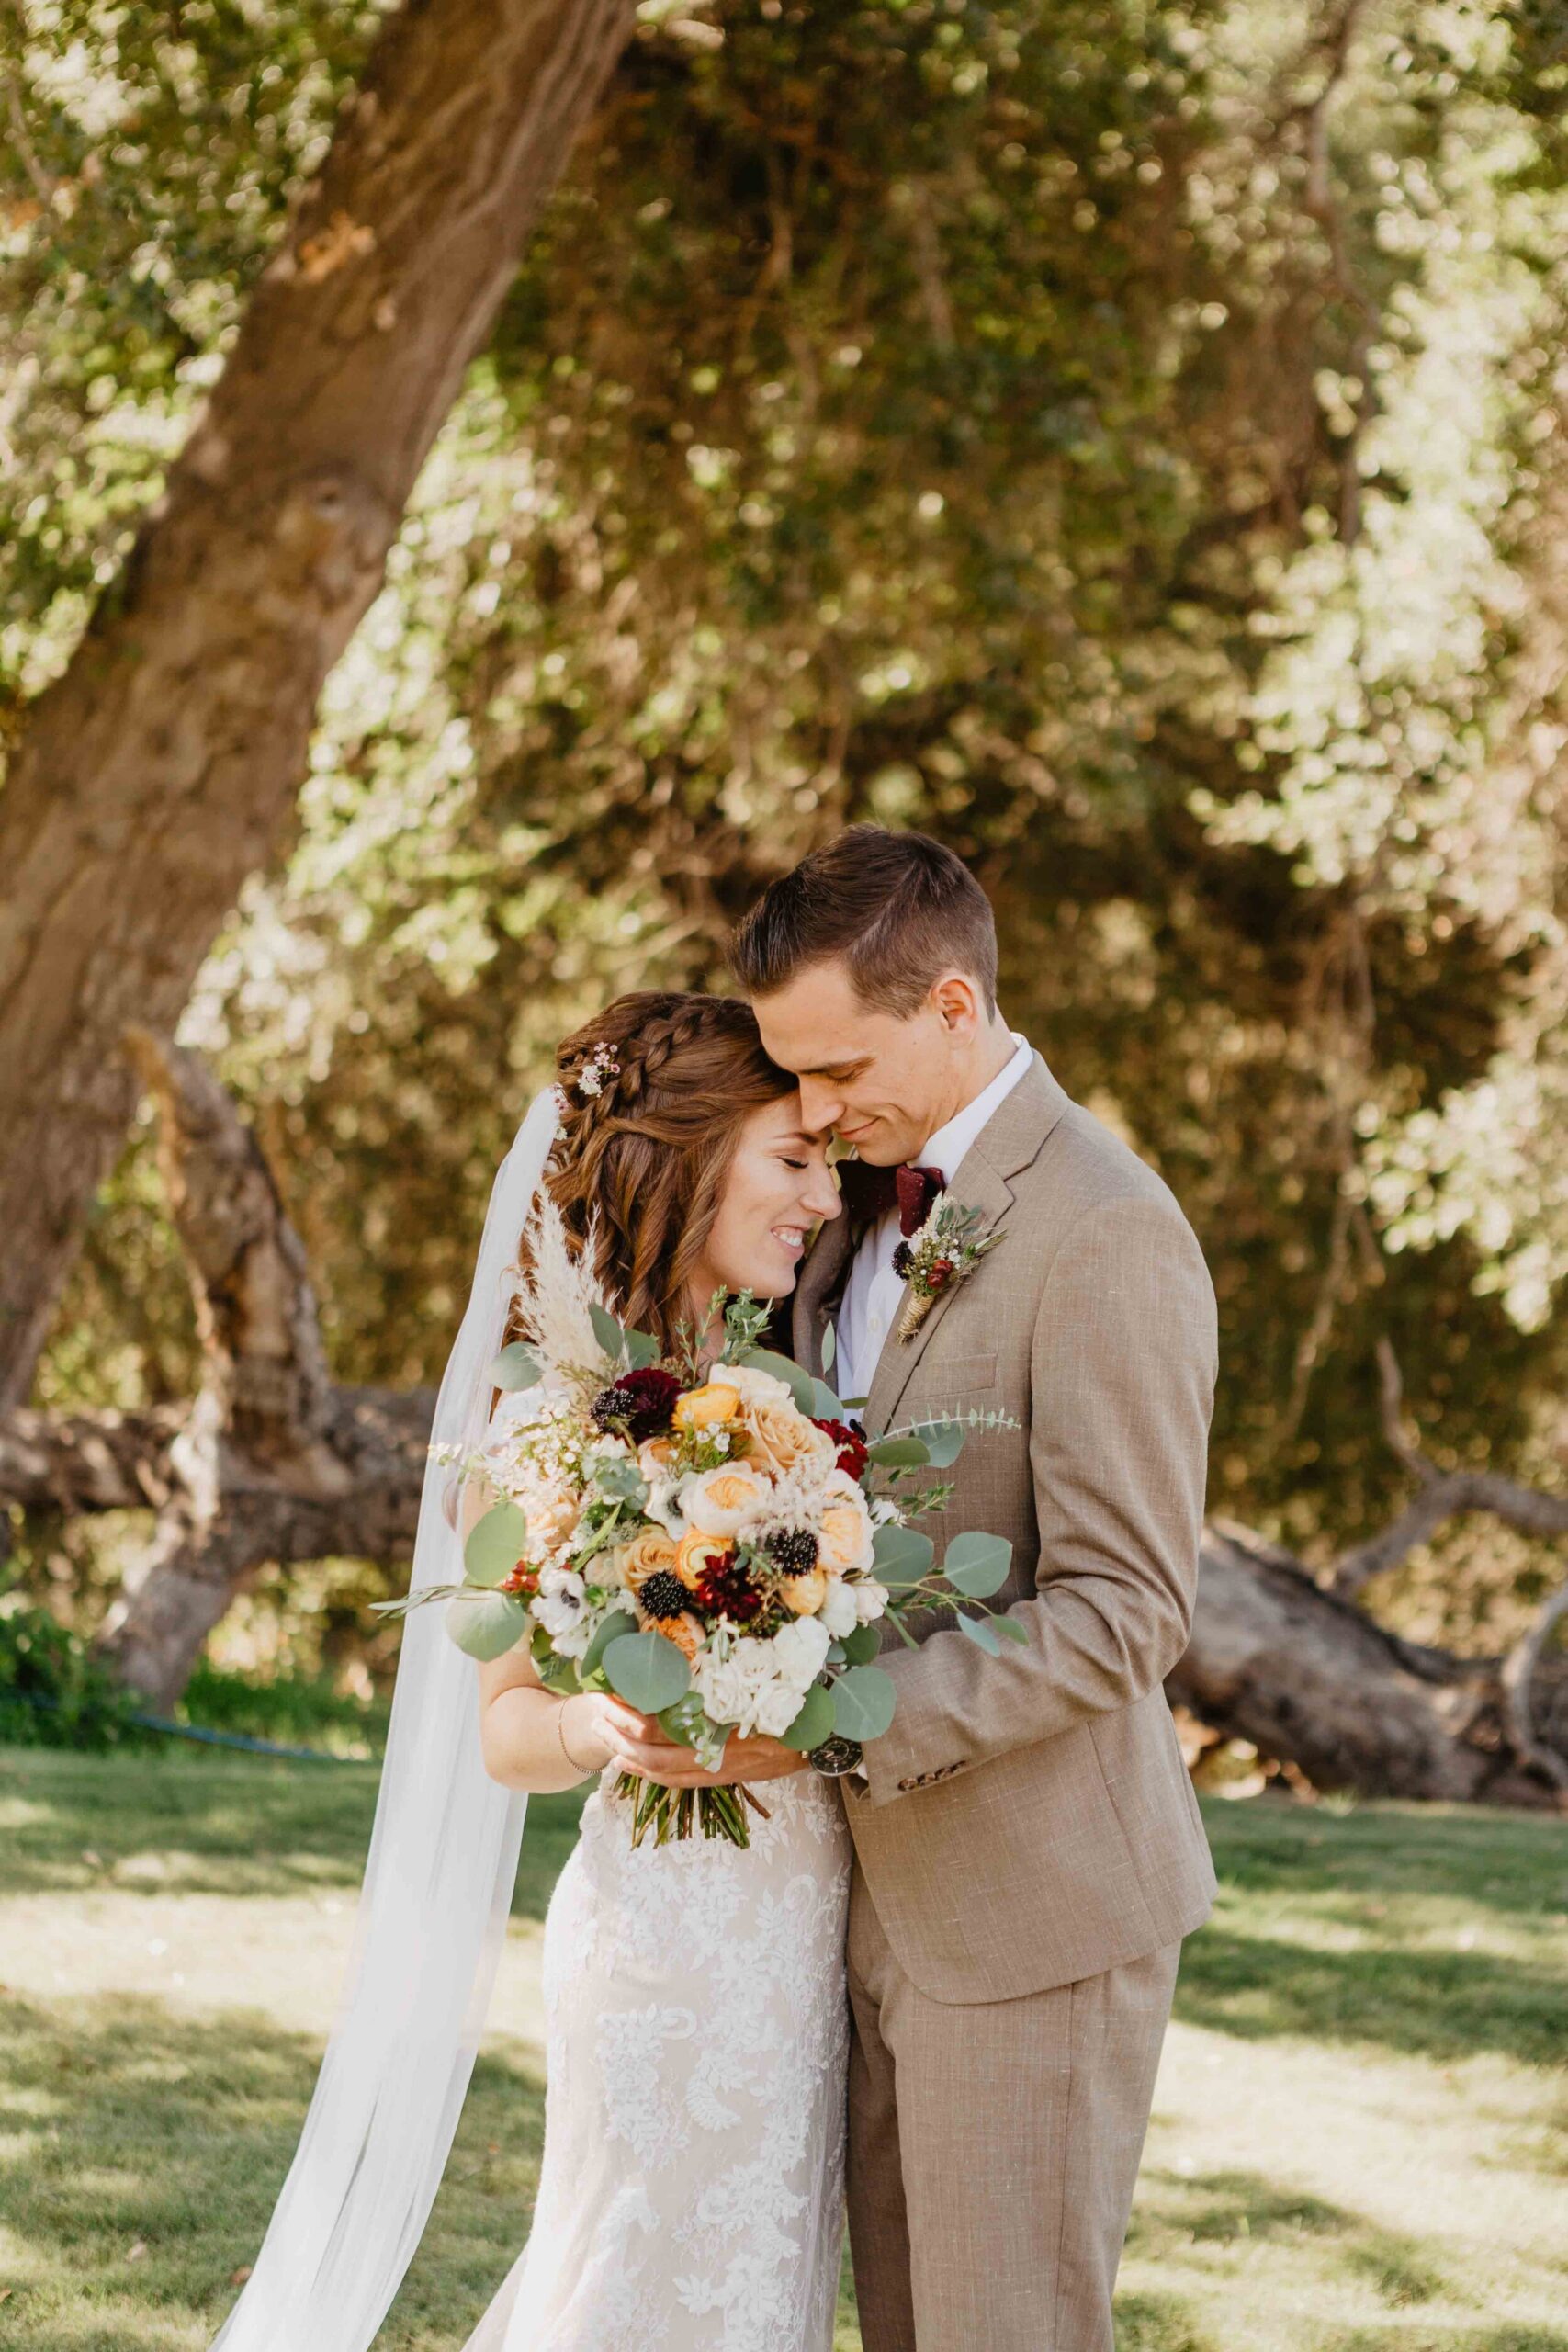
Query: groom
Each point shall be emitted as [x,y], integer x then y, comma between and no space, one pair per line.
[1029,1854]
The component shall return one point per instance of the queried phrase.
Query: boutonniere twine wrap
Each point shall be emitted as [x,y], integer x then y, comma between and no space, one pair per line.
[945,1248]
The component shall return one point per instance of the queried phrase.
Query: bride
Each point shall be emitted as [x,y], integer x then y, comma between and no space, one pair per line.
[696,2025]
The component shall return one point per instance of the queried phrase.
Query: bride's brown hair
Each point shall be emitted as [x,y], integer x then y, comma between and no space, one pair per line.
[640,1164]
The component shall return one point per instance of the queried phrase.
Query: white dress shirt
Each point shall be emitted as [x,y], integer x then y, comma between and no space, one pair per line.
[873,1294]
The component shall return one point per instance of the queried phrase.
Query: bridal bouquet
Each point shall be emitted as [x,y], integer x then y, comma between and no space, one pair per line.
[715,1545]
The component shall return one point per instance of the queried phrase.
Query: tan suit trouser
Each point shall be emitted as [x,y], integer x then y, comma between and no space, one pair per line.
[993,2152]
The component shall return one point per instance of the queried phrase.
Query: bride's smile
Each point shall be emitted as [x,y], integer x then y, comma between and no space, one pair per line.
[775,1189]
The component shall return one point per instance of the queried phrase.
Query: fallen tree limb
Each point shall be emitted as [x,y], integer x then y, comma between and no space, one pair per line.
[1310,1678]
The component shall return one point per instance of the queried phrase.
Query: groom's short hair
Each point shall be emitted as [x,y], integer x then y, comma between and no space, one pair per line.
[897,909]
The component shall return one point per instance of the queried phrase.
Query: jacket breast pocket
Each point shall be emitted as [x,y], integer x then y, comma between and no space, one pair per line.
[954,1379]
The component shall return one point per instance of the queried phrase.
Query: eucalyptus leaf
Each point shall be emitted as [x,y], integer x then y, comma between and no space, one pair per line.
[898,1452]
[825,1405]
[618,1479]
[516,1368]
[495,1545]
[864,1700]
[606,1330]
[687,1722]
[829,1345]
[861,1647]
[557,1673]
[795,1377]
[815,1721]
[642,1349]
[619,1621]
[979,1632]
[976,1564]
[646,1671]
[901,1555]
[489,1625]
[1010,1630]
[943,1441]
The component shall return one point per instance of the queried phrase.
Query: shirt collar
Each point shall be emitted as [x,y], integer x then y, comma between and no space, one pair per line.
[948,1147]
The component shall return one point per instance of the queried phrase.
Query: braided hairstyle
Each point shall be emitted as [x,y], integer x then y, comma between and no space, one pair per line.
[641,1164]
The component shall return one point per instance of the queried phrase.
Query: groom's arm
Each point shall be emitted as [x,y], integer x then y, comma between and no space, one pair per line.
[1123,1363]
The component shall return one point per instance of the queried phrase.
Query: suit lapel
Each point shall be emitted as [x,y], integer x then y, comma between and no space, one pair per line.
[1010,1140]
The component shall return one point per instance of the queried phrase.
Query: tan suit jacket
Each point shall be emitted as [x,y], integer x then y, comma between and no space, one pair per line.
[1028,1820]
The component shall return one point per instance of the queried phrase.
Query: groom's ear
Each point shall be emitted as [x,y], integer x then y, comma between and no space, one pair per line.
[957,1001]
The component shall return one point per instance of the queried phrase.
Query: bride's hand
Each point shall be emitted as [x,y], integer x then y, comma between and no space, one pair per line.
[640,1745]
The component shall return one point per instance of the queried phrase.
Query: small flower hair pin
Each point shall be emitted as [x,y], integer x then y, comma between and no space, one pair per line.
[597,1071]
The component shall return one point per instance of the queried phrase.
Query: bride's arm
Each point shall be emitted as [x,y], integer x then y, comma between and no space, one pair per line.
[532,1738]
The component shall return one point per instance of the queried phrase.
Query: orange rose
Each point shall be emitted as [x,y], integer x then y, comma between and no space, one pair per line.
[684,1631]
[805,1594]
[705,1407]
[843,1538]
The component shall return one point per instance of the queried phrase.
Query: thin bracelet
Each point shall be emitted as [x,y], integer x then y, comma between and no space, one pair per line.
[583,1771]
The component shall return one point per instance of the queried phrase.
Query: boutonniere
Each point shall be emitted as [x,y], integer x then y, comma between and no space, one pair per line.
[945,1248]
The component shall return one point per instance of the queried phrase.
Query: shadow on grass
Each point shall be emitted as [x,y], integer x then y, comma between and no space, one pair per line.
[242,1826]
[143,2154]
[1441,2005]
[1512,1865]
[1507,2338]
[1177,2211]
[1148,2322]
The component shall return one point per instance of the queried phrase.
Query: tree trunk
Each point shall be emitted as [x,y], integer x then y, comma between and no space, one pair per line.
[161,769]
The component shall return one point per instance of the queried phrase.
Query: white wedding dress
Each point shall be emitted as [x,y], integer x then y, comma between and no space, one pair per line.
[696,2054]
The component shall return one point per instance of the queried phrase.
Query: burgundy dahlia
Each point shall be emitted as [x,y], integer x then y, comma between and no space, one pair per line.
[641,1402]
[850,1438]
[725,1588]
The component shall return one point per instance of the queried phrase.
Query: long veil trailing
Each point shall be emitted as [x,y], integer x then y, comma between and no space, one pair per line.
[432,1916]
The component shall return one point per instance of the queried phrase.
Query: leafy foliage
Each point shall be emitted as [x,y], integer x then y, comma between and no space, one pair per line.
[1126,441]
[52,1691]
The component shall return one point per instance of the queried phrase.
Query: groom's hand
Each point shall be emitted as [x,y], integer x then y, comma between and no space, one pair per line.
[640,1744]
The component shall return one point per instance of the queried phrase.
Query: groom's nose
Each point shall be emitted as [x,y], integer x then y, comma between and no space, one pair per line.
[820,1107]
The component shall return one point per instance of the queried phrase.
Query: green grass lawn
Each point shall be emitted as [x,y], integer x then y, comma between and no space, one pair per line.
[1359,2141]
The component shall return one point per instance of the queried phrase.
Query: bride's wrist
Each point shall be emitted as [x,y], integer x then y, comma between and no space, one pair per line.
[581,1744]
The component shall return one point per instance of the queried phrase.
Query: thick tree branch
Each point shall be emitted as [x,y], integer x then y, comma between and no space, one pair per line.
[1441,1496]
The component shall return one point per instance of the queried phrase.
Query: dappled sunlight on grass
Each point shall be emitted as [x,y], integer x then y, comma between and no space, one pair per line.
[1360,2140]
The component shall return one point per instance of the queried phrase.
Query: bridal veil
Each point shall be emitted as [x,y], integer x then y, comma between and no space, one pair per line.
[432,1916]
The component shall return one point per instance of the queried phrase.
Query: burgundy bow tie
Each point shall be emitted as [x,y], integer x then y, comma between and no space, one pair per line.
[870,1192]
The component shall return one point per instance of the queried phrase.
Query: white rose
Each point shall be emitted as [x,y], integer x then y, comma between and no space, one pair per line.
[776,1709]
[752,1386]
[838,1615]
[800,1651]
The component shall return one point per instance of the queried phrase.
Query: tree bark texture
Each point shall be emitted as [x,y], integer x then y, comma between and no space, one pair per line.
[162,767]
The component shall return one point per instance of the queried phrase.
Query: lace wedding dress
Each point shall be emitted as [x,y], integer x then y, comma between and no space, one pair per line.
[696,2046]
[697,2052]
